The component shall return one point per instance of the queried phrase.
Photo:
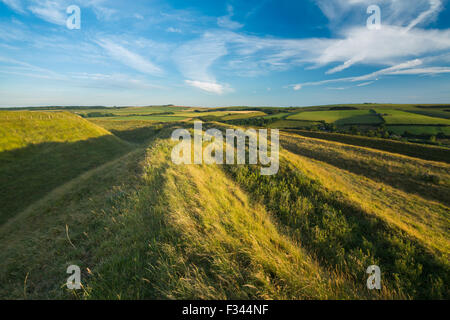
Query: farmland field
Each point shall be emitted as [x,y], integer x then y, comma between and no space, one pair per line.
[420,130]
[401,117]
[339,117]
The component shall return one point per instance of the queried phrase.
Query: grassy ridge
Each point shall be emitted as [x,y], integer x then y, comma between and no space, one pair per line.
[343,117]
[149,229]
[425,178]
[142,227]
[20,129]
[43,150]
[425,220]
[343,235]
[195,236]
[432,153]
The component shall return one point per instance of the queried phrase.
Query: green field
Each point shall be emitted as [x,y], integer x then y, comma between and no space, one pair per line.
[42,150]
[104,194]
[420,130]
[345,117]
[239,116]
[402,117]
[155,118]
[286,124]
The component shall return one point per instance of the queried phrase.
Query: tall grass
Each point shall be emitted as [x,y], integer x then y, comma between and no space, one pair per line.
[342,235]
[43,150]
[425,178]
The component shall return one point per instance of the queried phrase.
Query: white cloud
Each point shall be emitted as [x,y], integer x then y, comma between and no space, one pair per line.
[195,58]
[211,87]
[401,13]
[365,84]
[129,58]
[50,11]
[413,67]
[173,30]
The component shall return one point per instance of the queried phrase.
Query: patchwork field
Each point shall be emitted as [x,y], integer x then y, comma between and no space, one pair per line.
[344,117]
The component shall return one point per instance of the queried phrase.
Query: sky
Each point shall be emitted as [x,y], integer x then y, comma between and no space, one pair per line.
[223,53]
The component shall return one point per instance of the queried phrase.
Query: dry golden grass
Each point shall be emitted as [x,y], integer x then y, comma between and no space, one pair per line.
[423,219]
[427,179]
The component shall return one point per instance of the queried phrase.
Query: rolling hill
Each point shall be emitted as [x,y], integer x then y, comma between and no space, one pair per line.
[141,227]
[42,150]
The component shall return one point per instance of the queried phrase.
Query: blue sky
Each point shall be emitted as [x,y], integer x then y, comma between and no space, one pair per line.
[222,53]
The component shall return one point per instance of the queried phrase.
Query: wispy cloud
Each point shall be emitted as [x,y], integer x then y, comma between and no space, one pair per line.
[413,67]
[51,11]
[16,67]
[128,58]
[195,58]
[211,87]
[115,80]
[16,5]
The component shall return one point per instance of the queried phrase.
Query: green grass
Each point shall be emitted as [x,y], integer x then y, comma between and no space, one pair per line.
[135,131]
[289,124]
[239,116]
[344,236]
[277,115]
[407,118]
[344,117]
[437,113]
[141,227]
[148,229]
[20,129]
[154,118]
[420,130]
[40,153]
[433,153]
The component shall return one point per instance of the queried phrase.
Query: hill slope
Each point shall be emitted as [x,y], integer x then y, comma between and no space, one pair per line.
[41,150]
[142,227]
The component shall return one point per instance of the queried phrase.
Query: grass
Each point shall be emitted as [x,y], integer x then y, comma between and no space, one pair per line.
[292,124]
[169,232]
[425,178]
[405,187]
[420,130]
[343,117]
[397,117]
[135,131]
[154,118]
[39,155]
[244,116]
[432,153]
[344,236]
[141,227]
[20,129]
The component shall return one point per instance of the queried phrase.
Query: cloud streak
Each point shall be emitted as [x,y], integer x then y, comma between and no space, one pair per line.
[128,58]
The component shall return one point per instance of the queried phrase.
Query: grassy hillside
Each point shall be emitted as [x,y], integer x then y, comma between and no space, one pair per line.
[425,178]
[344,117]
[141,227]
[401,117]
[42,150]
[433,153]
[21,129]
[150,229]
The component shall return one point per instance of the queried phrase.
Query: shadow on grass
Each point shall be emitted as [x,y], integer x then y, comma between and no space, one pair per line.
[29,173]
